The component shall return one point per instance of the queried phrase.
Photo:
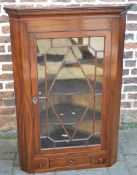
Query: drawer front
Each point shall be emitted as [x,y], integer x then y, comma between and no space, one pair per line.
[41,164]
[71,161]
[99,159]
[45,164]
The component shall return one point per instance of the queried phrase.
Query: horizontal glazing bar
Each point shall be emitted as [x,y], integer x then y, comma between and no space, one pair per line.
[69,94]
[68,140]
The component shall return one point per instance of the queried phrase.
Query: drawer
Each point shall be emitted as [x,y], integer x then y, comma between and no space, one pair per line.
[69,161]
[99,159]
[41,164]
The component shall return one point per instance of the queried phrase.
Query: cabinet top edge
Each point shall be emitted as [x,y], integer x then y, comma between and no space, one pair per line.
[20,10]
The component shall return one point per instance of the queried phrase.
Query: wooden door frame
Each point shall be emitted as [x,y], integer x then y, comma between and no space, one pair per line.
[34,79]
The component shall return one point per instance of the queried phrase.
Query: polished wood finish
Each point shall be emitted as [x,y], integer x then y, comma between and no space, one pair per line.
[63,10]
[28,24]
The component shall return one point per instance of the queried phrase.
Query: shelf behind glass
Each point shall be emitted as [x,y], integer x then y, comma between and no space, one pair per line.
[47,142]
[70,87]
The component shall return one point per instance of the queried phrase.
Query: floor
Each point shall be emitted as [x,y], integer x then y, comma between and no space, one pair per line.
[126,164]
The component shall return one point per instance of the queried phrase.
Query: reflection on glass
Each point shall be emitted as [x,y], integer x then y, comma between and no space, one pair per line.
[41,74]
[42,111]
[70,74]
[97,43]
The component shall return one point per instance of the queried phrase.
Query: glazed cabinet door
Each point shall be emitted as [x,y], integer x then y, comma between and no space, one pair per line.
[69,90]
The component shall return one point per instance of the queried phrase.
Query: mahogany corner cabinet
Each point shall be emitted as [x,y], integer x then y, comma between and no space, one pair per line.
[67,64]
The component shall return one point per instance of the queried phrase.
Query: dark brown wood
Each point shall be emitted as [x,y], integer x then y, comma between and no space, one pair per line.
[29,24]
[63,10]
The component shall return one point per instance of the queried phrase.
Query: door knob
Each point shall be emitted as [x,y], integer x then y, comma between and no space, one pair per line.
[34,100]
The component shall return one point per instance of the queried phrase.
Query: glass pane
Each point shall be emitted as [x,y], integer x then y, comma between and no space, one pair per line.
[70,81]
[99,76]
[97,43]
[41,74]
[54,58]
[100,55]
[98,108]
[42,113]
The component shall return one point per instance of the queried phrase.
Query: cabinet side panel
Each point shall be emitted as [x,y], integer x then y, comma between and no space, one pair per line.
[21,69]
[119,84]
[115,84]
[17,73]
[27,120]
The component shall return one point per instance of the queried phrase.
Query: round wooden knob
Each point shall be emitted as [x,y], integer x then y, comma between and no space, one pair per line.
[100,159]
[71,163]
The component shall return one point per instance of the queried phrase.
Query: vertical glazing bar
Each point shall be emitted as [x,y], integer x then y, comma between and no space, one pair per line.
[46,102]
[53,100]
[88,41]
[80,40]
[51,43]
[94,96]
